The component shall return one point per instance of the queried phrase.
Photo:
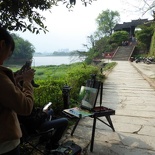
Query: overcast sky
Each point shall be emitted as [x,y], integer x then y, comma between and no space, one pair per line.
[69,30]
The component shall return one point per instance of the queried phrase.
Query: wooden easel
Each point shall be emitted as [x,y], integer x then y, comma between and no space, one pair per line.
[99,111]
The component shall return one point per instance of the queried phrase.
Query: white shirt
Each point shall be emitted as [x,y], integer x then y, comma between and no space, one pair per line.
[9,145]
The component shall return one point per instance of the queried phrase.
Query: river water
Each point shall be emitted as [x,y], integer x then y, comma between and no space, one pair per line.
[54,60]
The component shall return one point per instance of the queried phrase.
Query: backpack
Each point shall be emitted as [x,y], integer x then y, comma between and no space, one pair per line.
[68,148]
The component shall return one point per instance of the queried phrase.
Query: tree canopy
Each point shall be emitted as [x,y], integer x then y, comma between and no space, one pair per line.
[22,15]
[144,36]
[23,50]
[147,6]
[106,21]
[119,36]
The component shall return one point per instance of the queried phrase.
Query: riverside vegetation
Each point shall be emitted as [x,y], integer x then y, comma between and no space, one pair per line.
[53,78]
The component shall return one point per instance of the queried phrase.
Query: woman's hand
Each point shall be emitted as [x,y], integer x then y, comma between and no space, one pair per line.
[28,75]
[18,78]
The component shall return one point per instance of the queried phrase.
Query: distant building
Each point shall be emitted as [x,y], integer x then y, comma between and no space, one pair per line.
[66,50]
[130,26]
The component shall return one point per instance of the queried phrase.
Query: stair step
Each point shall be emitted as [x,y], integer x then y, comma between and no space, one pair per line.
[123,53]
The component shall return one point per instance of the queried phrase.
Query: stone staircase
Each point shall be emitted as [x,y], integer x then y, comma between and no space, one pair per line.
[123,53]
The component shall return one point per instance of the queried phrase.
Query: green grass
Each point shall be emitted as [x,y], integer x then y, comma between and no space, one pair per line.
[43,72]
[57,72]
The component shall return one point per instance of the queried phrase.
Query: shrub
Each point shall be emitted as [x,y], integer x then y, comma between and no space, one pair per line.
[51,87]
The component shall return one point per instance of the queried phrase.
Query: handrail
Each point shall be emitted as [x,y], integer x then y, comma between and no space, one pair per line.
[131,52]
[115,52]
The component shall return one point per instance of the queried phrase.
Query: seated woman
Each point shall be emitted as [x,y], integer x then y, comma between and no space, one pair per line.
[59,125]
[39,120]
[42,121]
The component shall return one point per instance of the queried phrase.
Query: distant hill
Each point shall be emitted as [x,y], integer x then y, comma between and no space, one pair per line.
[54,54]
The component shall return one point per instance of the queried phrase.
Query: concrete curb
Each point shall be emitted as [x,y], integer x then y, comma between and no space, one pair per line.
[107,72]
[150,81]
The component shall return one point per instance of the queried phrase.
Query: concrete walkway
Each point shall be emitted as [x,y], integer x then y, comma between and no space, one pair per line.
[127,91]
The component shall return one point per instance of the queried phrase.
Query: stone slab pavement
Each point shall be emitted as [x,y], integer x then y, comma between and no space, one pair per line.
[129,92]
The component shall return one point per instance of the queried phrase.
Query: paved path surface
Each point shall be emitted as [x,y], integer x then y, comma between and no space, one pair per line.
[128,92]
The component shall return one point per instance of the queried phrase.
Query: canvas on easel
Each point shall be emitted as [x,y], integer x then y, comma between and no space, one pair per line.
[87,100]
[88,97]
[93,83]
[96,111]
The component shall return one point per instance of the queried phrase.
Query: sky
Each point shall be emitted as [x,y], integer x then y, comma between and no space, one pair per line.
[69,30]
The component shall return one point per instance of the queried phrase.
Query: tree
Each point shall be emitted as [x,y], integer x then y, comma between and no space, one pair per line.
[22,15]
[106,21]
[144,36]
[91,42]
[119,36]
[147,6]
[141,6]
[23,50]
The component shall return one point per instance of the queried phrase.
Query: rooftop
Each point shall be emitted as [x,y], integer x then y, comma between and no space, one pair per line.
[133,23]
